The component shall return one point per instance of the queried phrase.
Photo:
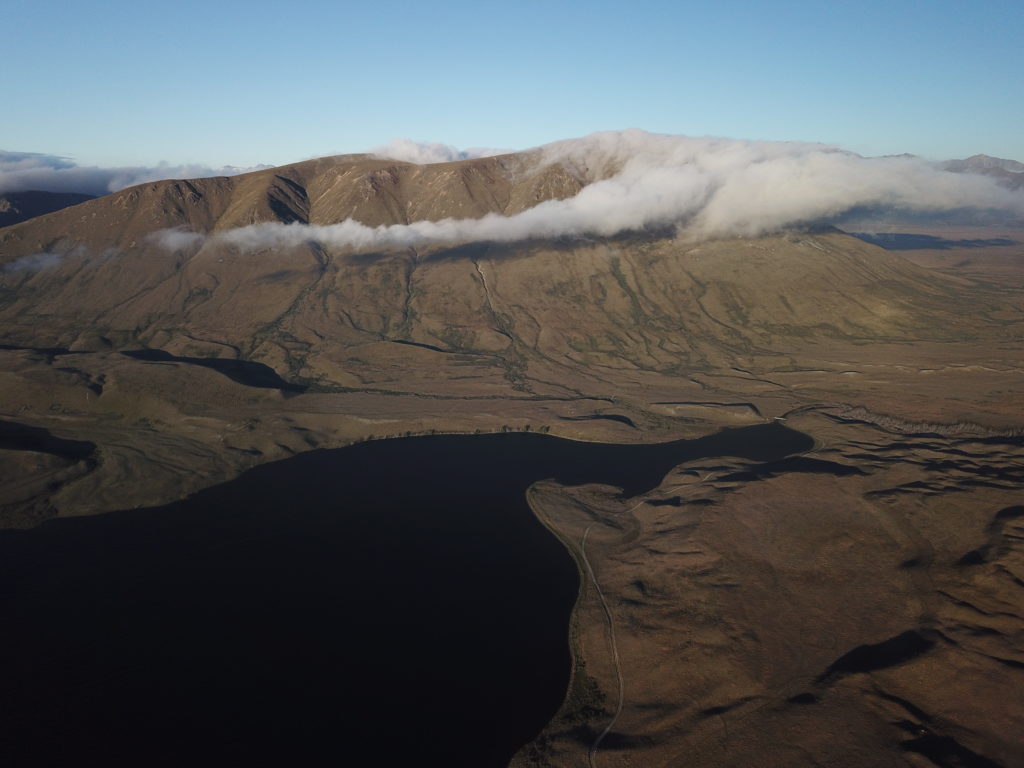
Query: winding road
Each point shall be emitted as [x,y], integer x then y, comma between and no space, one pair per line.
[615,649]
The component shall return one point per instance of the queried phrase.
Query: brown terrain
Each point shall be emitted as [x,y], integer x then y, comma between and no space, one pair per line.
[857,605]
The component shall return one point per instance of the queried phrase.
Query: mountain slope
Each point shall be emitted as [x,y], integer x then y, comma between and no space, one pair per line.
[543,317]
[328,190]
[533,316]
[644,302]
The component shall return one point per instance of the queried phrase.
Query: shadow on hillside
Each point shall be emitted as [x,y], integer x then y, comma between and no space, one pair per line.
[905,241]
[245,372]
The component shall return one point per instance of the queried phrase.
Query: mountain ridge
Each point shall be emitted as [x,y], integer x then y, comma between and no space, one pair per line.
[372,191]
[564,168]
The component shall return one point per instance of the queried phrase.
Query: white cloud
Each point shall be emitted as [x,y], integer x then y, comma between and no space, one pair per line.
[33,263]
[20,171]
[177,239]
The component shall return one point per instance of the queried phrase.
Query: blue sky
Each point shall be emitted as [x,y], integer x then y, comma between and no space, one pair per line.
[223,82]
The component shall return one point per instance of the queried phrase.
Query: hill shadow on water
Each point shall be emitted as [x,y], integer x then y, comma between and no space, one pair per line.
[396,598]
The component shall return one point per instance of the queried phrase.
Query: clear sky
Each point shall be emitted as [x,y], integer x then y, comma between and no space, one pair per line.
[222,82]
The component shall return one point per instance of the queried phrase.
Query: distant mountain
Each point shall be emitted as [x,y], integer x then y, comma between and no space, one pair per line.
[1009,172]
[16,207]
[982,163]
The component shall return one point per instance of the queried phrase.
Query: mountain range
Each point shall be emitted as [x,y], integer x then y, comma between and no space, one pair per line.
[858,604]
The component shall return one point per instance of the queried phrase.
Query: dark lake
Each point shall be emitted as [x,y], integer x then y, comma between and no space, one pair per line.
[395,598]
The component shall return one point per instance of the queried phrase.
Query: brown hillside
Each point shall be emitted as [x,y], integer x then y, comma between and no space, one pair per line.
[325,191]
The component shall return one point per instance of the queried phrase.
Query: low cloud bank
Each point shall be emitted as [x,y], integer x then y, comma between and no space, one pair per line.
[27,266]
[177,239]
[22,171]
[707,187]
[32,263]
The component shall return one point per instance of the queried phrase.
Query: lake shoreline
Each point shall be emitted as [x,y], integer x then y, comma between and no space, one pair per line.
[133,578]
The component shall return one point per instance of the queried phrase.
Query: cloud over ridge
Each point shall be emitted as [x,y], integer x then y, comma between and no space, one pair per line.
[424,152]
[707,187]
